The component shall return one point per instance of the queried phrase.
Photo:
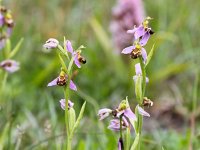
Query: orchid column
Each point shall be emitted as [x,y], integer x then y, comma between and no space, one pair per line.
[68,58]
[136,51]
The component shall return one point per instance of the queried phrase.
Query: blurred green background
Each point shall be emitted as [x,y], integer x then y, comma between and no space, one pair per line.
[31,111]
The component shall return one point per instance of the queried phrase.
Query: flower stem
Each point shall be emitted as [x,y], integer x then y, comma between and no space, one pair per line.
[139,116]
[120,126]
[143,77]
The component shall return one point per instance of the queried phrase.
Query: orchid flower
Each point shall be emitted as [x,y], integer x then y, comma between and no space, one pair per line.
[78,59]
[135,51]
[103,113]
[138,72]
[142,32]
[62,104]
[10,65]
[115,124]
[61,80]
[51,43]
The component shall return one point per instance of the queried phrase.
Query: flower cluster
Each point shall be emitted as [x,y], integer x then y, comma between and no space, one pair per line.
[124,111]
[63,78]
[6,25]
[68,57]
[123,115]
[141,37]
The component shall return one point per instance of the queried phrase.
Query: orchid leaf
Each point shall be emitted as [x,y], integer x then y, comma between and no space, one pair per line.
[150,55]
[16,49]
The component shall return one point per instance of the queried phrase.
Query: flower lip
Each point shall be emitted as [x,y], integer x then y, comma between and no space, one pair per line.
[62,81]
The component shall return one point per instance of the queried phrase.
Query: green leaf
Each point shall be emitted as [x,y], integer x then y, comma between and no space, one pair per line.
[16,49]
[63,51]
[167,71]
[70,65]
[138,88]
[3,136]
[80,116]
[150,55]
[136,142]
[136,123]
[72,118]
[7,48]
[127,139]
[62,63]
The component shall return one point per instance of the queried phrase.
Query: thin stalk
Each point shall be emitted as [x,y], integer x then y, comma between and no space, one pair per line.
[143,76]
[4,80]
[193,113]
[67,114]
[140,117]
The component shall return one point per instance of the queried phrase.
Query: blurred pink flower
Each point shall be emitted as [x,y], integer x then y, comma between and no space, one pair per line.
[51,43]
[126,14]
[103,113]
[9,65]
[62,104]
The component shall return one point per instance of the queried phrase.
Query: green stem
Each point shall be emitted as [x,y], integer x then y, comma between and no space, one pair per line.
[143,76]
[140,117]
[195,92]
[67,114]
[69,141]
[4,80]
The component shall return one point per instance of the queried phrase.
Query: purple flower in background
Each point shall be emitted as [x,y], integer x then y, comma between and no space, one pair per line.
[115,124]
[136,51]
[6,25]
[142,111]
[142,32]
[9,65]
[138,72]
[62,104]
[1,19]
[61,80]
[51,43]
[103,113]
[78,59]
[125,15]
